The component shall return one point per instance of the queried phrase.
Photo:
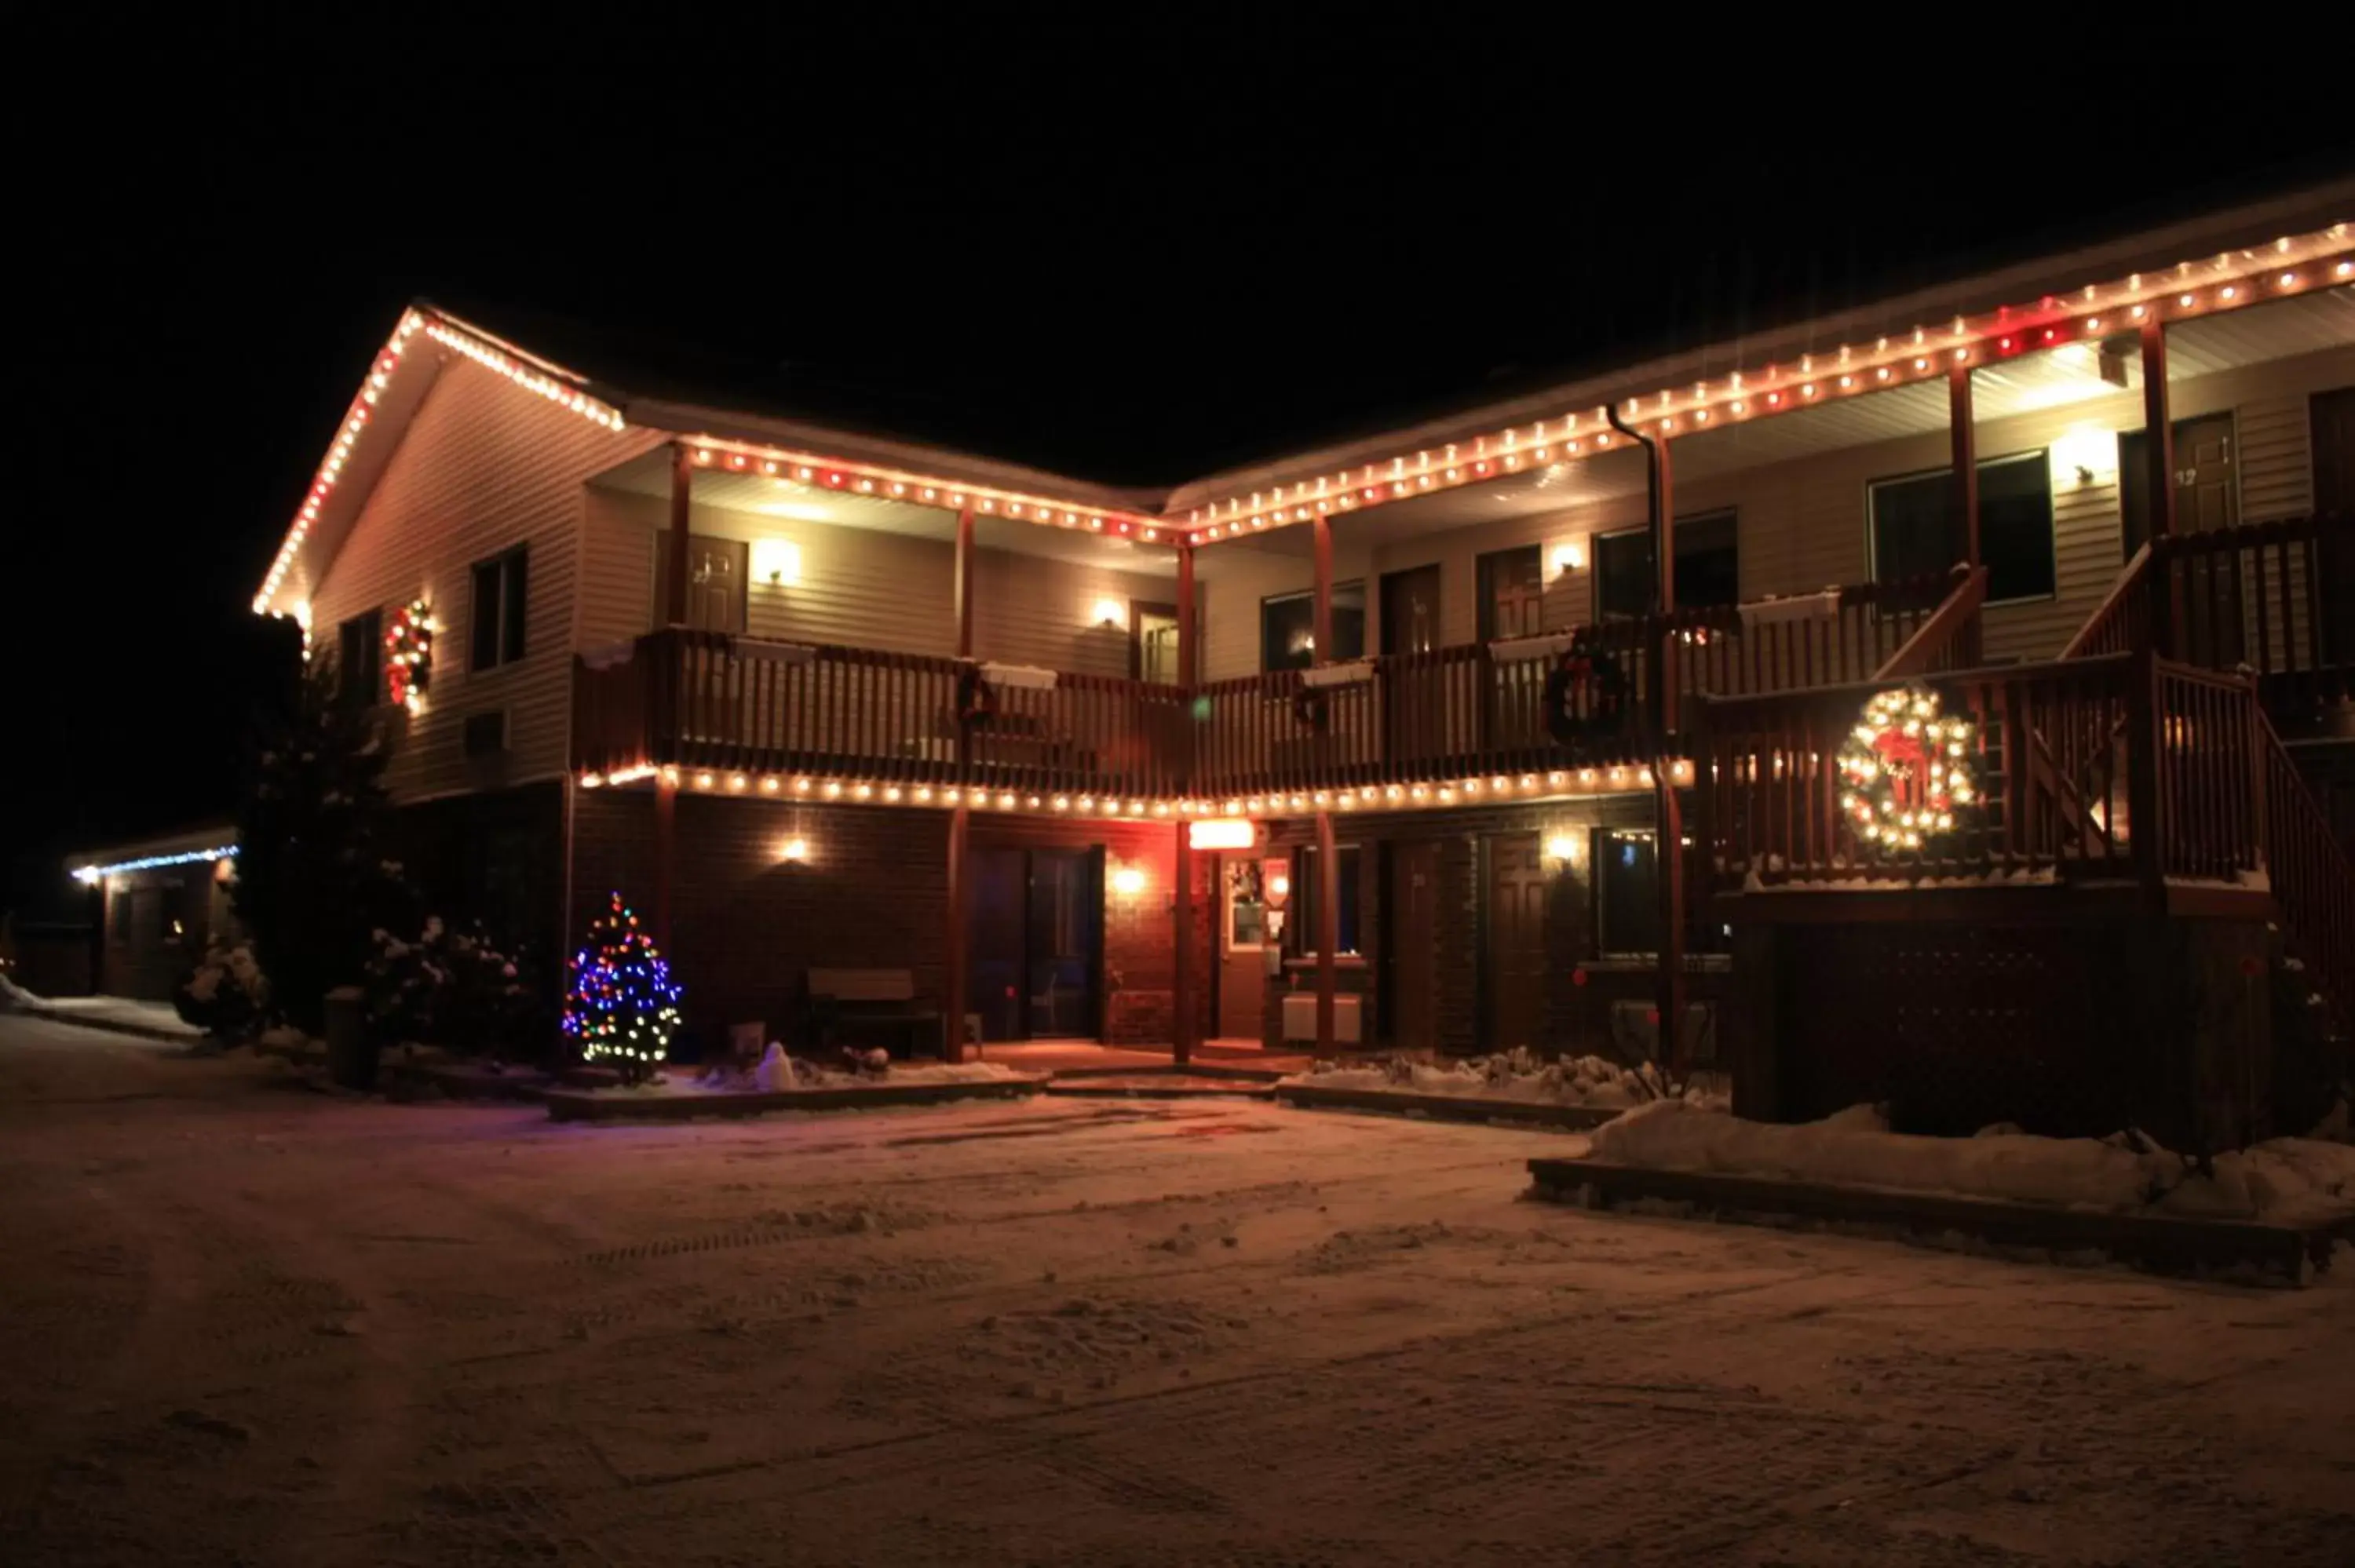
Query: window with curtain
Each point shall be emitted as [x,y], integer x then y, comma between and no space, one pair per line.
[1917,528]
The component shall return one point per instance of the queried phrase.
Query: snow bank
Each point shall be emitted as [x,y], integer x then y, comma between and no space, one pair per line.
[778,1071]
[2288,1181]
[1516,1077]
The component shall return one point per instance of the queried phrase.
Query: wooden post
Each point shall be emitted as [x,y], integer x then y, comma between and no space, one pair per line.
[955,983]
[964,591]
[666,855]
[682,485]
[1328,869]
[962,596]
[2158,456]
[1181,997]
[1328,930]
[1668,857]
[1321,627]
[1187,653]
[2143,788]
[1182,1000]
[1962,436]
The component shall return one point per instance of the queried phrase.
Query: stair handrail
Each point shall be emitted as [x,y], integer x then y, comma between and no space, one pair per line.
[2313,881]
[1931,639]
[2110,628]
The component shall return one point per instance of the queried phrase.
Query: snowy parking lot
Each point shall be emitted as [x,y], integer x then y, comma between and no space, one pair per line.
[248,1323]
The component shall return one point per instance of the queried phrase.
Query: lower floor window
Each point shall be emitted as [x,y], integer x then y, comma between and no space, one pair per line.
[1626,891]
[1309,889]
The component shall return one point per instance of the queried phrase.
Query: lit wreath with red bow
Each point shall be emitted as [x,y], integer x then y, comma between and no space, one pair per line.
[1906,770]
[409,654]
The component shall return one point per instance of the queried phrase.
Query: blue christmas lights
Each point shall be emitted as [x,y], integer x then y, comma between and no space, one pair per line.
[622,1002]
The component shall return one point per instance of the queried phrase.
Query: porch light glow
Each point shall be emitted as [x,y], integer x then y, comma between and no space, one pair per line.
[1562,848]
[776,562]
[1110,613]
[1128,881]
[794,851]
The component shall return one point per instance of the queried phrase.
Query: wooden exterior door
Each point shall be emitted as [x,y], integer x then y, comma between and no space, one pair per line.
[1515,952]
[2206,478]
[1410,939]
[1412,689]
[717,571]
[1512,594]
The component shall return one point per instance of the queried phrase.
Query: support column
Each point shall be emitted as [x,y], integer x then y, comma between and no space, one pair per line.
[1181,985]
[1328,867]
[1182,1020]
[1328,930]
[666,855]
[1322,626]
[1188,651]
[1668,856]
[955,983]
[962,596]
[2158,479]
[1962,435]
[682,485]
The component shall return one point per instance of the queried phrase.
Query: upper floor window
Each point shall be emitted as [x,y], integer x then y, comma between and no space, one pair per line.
[495,635]
[1917,528]
[1708,564]
[359,660]
[1287,627]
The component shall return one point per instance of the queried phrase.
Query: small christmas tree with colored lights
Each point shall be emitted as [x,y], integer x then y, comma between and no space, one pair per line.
[622,1004]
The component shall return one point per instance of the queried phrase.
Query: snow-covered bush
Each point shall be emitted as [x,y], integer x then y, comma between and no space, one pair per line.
[225,994]
[459,988]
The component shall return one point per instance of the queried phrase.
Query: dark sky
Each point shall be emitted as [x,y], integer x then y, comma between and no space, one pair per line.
[1132,250]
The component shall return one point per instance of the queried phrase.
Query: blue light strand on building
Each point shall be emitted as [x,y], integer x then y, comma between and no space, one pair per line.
[92,875]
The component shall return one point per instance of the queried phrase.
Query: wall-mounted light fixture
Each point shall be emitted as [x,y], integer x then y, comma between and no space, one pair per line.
[1568,555]
[1110,613]
[776,562]
[1128,881]
[1565,849]
[2085,453]
[794,851]
[1278,883]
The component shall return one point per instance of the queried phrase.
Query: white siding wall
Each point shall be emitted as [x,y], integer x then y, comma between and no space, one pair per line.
[1803,522]
[483,467]
[869,589]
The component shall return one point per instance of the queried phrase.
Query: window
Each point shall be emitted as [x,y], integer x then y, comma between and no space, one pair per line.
[1308,887]
[118,917]
[1287,627]
[497,631]
[1512,593]
[1709,565]
[1917,528]
[172,912]
[1627,892]
[359,661]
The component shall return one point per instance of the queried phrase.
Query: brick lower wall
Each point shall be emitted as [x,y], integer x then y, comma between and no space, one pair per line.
[746,924]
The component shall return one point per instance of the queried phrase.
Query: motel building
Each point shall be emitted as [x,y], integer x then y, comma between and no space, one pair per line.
[1953,689]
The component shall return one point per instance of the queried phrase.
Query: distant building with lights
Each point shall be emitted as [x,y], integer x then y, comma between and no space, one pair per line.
[156,905]
[1532,725]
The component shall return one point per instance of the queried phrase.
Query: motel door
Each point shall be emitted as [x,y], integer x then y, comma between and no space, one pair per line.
[1035,943]
[1516,951]
[1411,940]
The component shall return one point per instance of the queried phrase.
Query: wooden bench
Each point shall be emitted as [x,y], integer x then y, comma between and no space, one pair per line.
[844,1004]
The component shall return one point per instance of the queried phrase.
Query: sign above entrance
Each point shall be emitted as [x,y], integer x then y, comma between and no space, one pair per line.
[1222,832]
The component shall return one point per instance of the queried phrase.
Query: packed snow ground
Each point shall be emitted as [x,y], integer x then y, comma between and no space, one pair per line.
[248,1323]
[2285,1180]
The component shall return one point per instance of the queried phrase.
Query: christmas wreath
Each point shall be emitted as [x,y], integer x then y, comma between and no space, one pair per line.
[1906,770]
[409,654]
[1586,694]
[977,699]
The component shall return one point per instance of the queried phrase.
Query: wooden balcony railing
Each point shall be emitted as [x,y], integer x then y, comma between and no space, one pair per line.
[706,700]
[2313,880]
[709,701]
[2276,598]
[2120,766]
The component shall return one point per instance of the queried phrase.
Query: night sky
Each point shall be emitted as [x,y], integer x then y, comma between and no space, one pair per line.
[1125,252]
